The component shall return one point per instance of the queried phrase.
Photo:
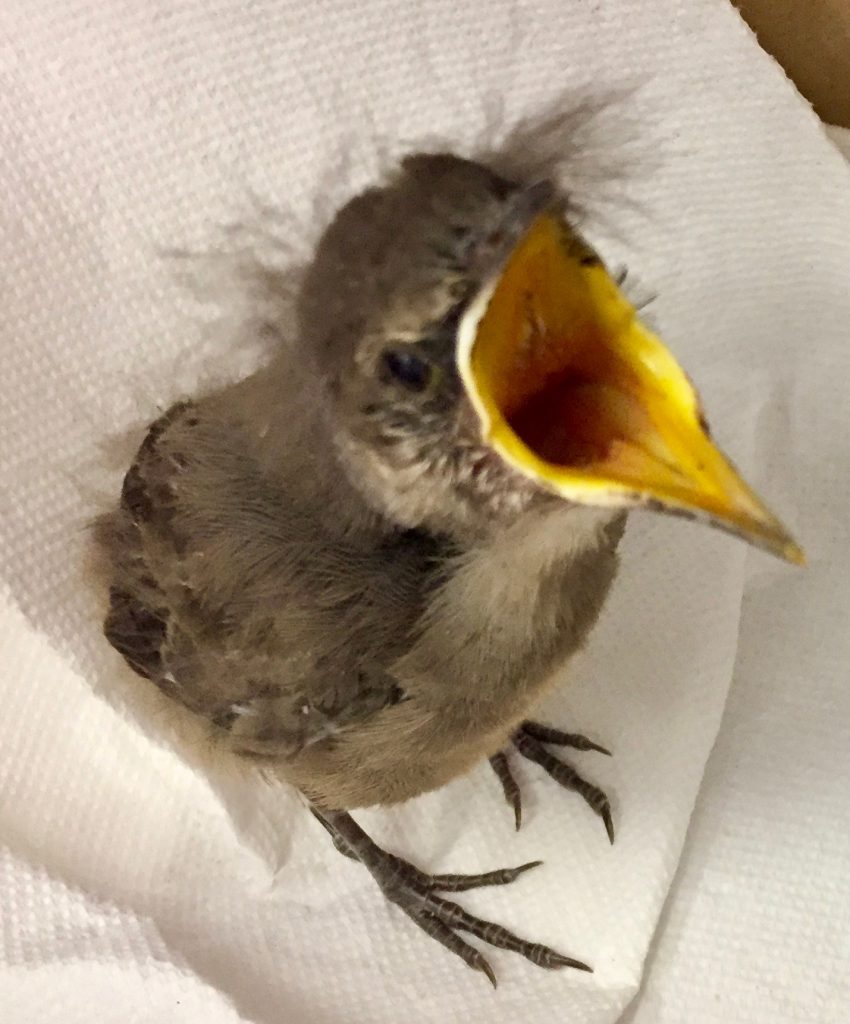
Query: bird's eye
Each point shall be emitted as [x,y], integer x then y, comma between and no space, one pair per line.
[409,369]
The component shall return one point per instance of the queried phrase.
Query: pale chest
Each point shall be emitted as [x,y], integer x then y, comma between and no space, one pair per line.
[511,610]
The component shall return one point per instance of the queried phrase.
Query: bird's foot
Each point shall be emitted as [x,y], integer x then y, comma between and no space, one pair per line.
[416,893]
[531,739]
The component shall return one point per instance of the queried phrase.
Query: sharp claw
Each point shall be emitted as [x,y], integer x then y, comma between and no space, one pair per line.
[513,795]
[568,961]
[483,965]
[548,735]
[526,867]
[605,813]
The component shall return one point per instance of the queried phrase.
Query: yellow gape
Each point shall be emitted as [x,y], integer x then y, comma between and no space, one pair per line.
[573,391]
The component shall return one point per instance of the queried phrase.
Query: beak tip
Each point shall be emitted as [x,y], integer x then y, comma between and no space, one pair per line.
[780,543]
[794,554]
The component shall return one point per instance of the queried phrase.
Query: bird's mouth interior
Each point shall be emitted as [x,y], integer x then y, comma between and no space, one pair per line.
[572,390]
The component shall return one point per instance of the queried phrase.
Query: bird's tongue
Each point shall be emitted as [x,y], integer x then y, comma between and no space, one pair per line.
[573,391]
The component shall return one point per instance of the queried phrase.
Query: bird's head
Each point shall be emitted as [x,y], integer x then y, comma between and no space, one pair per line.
[480,361]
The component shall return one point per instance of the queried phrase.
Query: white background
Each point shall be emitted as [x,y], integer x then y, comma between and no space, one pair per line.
[142,882]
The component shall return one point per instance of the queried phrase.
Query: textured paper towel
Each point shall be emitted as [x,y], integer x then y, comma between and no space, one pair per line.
[140,885]
[757,926]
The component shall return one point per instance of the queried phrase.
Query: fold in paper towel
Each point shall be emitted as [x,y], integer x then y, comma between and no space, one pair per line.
[141,882]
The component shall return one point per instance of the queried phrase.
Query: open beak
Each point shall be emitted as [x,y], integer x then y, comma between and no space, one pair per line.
[574,392]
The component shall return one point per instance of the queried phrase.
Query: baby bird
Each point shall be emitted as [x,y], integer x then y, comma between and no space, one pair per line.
[362,565]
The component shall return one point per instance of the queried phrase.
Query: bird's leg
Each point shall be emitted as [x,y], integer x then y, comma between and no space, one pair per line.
[530,740]
[339,843]
[416,893]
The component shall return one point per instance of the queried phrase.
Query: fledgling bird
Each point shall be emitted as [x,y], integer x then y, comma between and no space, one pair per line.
[363,564]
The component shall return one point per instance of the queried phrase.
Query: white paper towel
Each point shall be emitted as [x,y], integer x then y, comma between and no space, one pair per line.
[757,925]
[141,884]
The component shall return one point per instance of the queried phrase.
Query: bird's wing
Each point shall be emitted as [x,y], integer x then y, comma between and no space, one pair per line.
[236,604]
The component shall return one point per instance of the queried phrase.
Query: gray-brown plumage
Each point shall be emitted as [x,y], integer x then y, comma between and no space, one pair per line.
[326,562]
